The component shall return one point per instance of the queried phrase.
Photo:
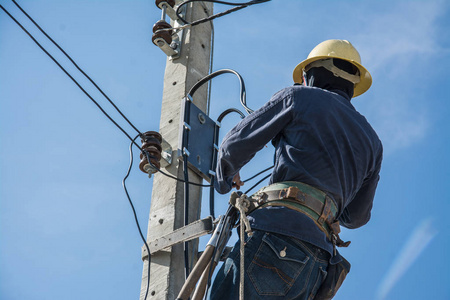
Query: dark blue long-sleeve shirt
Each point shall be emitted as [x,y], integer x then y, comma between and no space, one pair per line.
[321,140]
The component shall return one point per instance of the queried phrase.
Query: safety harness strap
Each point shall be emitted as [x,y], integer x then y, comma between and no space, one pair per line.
[306,199]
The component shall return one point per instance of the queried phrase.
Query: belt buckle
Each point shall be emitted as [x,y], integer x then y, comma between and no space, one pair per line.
[293,193]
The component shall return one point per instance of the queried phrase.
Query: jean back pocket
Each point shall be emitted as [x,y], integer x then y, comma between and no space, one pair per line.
[276,265]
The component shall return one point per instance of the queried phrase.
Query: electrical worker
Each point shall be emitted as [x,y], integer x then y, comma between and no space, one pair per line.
[327,164]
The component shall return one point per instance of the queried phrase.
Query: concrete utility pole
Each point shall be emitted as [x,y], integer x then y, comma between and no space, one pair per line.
[167,212]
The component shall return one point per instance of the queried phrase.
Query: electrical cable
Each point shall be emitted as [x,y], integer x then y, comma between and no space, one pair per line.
[93,100]
[258,174]
[205,79]
[136,219]
[228,111]
[76,65]
[218,15]
[211,59]
[184,144]
[246,192]
[214,158]
[70,76]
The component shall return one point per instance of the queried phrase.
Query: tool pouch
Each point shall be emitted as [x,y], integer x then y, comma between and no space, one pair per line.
[333,281]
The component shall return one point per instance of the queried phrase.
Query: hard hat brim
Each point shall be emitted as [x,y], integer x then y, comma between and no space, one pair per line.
[360,88]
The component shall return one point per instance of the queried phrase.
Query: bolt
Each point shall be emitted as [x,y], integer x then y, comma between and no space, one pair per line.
[201,118]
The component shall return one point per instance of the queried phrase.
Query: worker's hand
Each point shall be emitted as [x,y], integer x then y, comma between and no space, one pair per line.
[237,183]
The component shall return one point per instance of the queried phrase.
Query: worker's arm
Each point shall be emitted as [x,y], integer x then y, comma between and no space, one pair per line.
[249,136]
[357,213]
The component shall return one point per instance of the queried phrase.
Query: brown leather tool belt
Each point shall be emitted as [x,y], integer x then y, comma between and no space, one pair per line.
[306,199]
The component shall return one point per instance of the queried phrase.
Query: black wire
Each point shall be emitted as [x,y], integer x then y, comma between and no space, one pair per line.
[205,79]
[258,174]
[228,111]
[210,18]
[246,192]
[67,73]
[184,144]
[95,102]
[79,69]
[135,217]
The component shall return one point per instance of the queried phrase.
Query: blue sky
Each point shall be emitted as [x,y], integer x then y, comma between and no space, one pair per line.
[66,229]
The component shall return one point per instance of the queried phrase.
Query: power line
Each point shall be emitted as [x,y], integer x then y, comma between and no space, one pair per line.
[76,65]
[70,76]
[239,6]
[93,100]
[135,216]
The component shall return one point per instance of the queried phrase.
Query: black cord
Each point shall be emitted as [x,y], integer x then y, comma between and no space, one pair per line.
[210,18]
[70,76]
[205,79]
[258,174]
[184,144]
[93,100]
[135,217]
[246,192]
[76,65]
[228,111]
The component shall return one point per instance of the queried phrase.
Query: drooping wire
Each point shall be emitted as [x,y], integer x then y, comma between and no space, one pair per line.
[70,76]
[76,65]
[135,217]
[205,79]
[214,159]
[228,111]
[218,15]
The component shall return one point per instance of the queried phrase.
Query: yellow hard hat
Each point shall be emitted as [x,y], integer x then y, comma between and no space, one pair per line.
[341,49]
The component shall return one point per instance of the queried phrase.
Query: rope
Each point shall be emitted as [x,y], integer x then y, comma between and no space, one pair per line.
[242,204]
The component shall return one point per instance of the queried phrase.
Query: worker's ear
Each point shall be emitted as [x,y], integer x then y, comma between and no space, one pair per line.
[305,83]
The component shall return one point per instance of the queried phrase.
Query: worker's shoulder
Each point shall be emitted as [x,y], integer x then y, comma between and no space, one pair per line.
[298,90]
[291,92]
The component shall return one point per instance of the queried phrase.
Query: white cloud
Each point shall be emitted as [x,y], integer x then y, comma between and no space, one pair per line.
[420,238]
[403,33]
[396,45]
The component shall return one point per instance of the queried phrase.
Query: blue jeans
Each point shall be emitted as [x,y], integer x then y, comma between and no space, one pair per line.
[276,267]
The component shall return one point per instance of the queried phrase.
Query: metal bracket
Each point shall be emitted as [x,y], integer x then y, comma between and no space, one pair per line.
[186,233]
[166,154]
[166,48]
[197,137]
